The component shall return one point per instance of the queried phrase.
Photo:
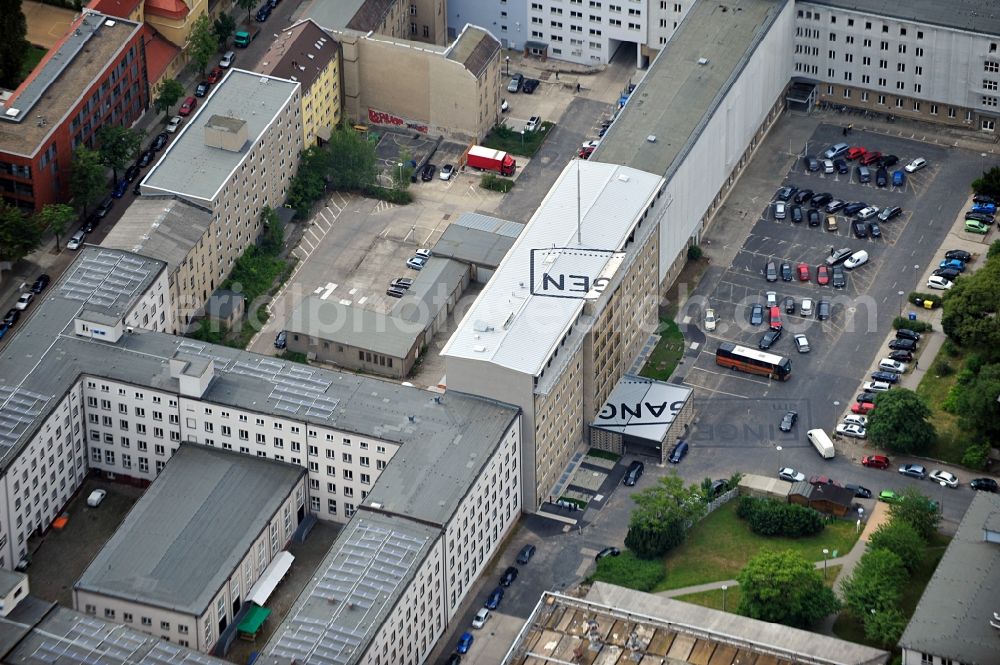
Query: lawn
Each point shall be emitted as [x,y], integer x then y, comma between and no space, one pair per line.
[525,145]
[721,544]
[668,352]
[31,59]
[714,598]
[952,439]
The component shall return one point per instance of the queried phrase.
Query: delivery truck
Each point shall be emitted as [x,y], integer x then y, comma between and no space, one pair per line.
[821,442]
[488,159]
[245,33]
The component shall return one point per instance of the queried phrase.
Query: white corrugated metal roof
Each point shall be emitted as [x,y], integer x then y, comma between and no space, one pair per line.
[508,325]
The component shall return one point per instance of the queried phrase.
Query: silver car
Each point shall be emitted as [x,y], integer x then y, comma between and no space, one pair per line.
[802,343]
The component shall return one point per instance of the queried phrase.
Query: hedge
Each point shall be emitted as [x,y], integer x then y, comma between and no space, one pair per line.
[773,518]
[915,326]
[918,298]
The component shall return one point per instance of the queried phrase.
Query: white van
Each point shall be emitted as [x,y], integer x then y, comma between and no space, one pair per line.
[821,442]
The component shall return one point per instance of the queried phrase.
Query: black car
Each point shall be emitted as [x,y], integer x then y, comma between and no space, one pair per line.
[788,421]
[803,195]
[12,316]
[854,207]
[786,272]
[756,314]
[263,13]
[145,159]
[771,272]
[841,165]
[633,474]
[508,576]
[160,142]
[202,89]
[427,173]
[906,333]
[983,198]
[983,484]
[105,207]
[530,85]
[789,303]
[796,211]
[891,212]
[678,452]
[881,177]
[40,283]
[888,377]
[821,199]
[524,556]
[823,310]
[281,340]
[900,356]
[903,345]
[889,160]
[980,217]
[865,397]
[769,339]
[607,551]
[960,254]
[92,221]
[874,230]
[860,229]
[131,173]
[838,278]
[786,193]
[860,492]
[814,217]
[811,163]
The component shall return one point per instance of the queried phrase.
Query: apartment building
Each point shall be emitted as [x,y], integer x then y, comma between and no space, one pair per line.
[936,61]
[234,157]
[94,76]
[418,20]
[565,312]
[308,55]
[189,552]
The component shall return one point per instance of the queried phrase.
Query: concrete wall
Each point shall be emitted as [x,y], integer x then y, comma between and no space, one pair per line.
[507,21]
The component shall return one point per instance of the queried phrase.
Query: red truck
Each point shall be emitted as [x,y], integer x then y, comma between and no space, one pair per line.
[487,159]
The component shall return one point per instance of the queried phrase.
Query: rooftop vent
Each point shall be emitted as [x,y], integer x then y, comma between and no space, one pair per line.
[651,138]
[702,61]
[481,326]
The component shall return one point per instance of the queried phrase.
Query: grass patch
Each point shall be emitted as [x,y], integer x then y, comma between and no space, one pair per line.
[952,439]
[628,571]
[713,599]
[603,454]
[294,356]
[721,544]
[502,137]
[33,56]
[668,352]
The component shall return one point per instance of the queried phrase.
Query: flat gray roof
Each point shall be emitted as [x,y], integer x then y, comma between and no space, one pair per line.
[952,617]
[430,291]
[676,98]
[981,16]
[191,528]
[332,15]
[191,169]
[352,591]
[164,228]
[355,326]
[478,239]
[41,633]
[9,579]
[641,407]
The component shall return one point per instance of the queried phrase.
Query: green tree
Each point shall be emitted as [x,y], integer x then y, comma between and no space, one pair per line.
[885,626]
[119,146]
[873,591]
[900,538]
[19,234]
[976,456]
[994,249]
[918,510]
[224,27]
[782,587]
[662,516]
[86,178]
[247,5]
[353,165]
[203,43]
[13,42]
[309,183]
[971,310]
[976,402]
[274,231]
[988,183]
[168,93]
[56,217]
[900,422]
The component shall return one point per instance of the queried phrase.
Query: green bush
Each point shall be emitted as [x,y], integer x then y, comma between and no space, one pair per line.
[398,196]
[496,183]
[950,403]
[773,518]
[943,368]
[950,348]
[994,249]
[915,326]
[976,456]
[629,571]
[694,253]
[653,540]
[918,298]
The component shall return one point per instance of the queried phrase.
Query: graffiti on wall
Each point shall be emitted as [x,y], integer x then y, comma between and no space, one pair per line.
[382,118]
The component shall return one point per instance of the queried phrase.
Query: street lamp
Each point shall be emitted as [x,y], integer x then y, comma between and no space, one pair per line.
[826,552]
[724,587]
[778,448]
[507,60]
[522,140]
[901,294]
[400,165]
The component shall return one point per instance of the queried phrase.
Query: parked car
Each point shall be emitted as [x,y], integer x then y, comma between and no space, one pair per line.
[145,159]
[791,475]
[160,142]
[898,178]
[835,205]
[814,217]
[76,240]
[867,213]
[394,292]
[865,397]
[831,223]
[174,124]
[836,150]
[803,195]
[201,89]
[853,207]
[906,333]
[838,256]
[710,320]
[786,193]
[40,283]
[857,152]
[534,122]
[803,272]
[607,551]
[862,408]
[756,314]
[806,307]
[839,279]
[821,199]
[889,160]
[446,172]
[975,226]
[889,213]
[823,480]
[876,461]
[985,208]
[680,449]
[874,230]
[859,228]
[263,13]
[104,207]
[482,616]
[281,340]
[881,177]
[895,366]
[938,282]
[983,217]
[633,473]
[860,492]
[769,339]
[464,643]
[822,275]
[852,430]
[823,310]
[788,304]
[120,188]
[96,498]
[857,259]
[187,107]
[811,163]
[24,300]
[131,173]
[771,272]
[493,600]
[864,174]
[913,471]
[889,496]
[903,345]
[515,82]
[983,198]
[959,254]
[788,421]
[983,484]
[786,272]
[915,165]
[13,314]
[801,343]
[427,173]
[857,420]
[401,283]
[215,75]
[416,263]
[876,386]
[841,165]
[780,210]
[944,478]
[529,86]
[524,556]
[901,356]
[227,59]
[508,576]
[952,263]
[871,158]
[796,214]
[886,377]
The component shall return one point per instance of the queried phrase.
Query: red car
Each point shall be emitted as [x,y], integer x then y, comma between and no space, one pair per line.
[803,272]
[585,153]
[774,318]
[871,157]
[215,75]
[862,408]
[823,480]
[857,152]
[822,275]
[876,461]
[187,106]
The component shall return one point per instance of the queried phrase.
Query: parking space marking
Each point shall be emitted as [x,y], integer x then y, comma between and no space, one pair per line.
[362,299]
[712,390]
[325,290]
[345,303]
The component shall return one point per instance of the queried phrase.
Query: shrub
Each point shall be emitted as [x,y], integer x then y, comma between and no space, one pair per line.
[918,298]
[976,456]
[950,348]
[773,518]
[694,253]
[915,326]
[496,183]
[950,403]
[629,571]
[390,194]
[942,368]
[994,249]
[653,540]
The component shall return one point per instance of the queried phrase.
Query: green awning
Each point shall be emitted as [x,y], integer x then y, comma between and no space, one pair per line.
[254,619]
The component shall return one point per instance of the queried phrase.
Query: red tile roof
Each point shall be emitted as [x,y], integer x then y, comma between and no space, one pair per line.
[119,8]
[159,53]
[175,9]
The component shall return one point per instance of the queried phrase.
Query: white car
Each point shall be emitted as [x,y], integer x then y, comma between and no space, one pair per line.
[894,366]
[423,253]
[856,420]
[791,475]
[710,319]
[867,213]
[95,498]
[227,59]
[25,300]
[806,307]
[943,477]
[915,165]
[852,430]
[801,343]
[504,106]
[772,299]
[532,124]
[174,124]
[446,172]
[76,241]
[827,166]
[591,144]
[858,258]
[416,262]
[939,282]
[877,386]
[482,616]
